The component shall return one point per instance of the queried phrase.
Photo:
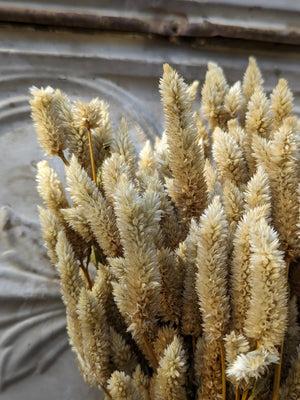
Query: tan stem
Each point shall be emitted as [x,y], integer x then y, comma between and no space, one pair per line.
[276,382]
[106,392]
[245,394]
[87,276]
[150,352]
[237,393]
[92,156]
[223,367]
[62,156]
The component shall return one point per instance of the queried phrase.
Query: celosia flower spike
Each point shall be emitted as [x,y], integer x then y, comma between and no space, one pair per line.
[203,134]
[170,230]
[138,294]
[161,155]
[240,289]
[199,361]
[212,265]
[235,344]
[51,226]
[171,284]
[252,79]
[211,374]
[147,161]
[170,379]
[122,356]
[122,144]
[95,338]
[97,212]
[211,286]
[193,90]
[266,318]
[51,189]
[186,158]
[191,318]
[122,387]
[284,178]
[251,365]
[281,103]
[213,92]
[75,217]
[259,115]
[165,337]
[71,285]
[233,101]
[258,191]
[47,109]
[233,201]
[229,158]
[141,382]
[86,115]
[112,170]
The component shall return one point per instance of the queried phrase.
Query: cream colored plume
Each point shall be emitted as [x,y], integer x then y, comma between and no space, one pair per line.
[266,318]
[251,365]
[48,108]
[214,92]
[169,383]
[212,270]
[186,157]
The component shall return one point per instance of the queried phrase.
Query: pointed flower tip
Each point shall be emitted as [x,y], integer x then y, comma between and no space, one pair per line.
[167,68]
[212,65]
[42,164]
[33,90]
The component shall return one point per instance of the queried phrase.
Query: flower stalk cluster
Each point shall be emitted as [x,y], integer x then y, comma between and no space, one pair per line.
[179,267]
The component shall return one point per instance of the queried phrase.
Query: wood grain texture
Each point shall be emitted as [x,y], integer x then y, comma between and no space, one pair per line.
[262,21]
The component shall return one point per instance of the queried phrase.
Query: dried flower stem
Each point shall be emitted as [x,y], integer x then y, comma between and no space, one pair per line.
[62,156]
[92,156]
[86,274]
[277,375]
[150,352]
[237,393]
[223,367]
[106,392]
[245,394]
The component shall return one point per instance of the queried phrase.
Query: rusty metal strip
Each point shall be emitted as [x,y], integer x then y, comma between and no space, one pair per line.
[162,25]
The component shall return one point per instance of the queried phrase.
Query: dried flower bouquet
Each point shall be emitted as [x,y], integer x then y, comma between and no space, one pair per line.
[179,268]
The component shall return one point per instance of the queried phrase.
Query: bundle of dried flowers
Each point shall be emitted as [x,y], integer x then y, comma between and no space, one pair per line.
[176,266]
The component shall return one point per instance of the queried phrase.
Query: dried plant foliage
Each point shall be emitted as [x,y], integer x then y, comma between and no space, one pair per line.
[179,268]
